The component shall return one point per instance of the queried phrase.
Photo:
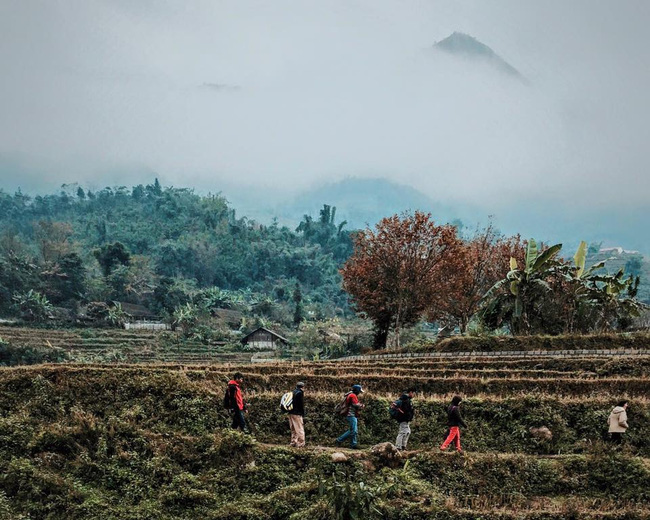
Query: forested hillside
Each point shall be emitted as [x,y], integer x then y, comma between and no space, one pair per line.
[84,255]
[157,246]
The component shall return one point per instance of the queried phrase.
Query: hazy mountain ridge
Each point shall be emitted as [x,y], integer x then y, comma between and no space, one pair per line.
[363,202]
[461,44]
[366,201]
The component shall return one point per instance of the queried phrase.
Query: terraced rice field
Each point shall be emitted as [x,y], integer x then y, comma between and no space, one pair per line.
[133,346]
[152,440]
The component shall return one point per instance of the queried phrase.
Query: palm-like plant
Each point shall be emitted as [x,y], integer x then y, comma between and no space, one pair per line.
[116,315]
[525,284]
[32,305]
[549,294]
[576,280]
[615,298]
[186,317]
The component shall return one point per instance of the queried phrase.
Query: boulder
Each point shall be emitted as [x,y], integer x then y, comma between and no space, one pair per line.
[338,456]
[386,454]
[542,433]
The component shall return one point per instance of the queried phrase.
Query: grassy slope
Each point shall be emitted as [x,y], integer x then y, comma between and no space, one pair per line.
[92,442]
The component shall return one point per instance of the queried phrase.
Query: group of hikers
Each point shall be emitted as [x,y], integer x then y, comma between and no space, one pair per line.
[401,410]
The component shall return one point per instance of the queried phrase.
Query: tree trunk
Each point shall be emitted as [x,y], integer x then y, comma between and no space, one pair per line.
[380,336]
[464,321]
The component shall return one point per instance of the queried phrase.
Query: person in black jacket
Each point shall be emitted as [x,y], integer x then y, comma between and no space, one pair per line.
[404,417]
[454,421]
[296,417]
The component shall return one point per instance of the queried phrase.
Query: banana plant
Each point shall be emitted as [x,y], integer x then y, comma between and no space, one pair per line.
[578,271]
[523,281]
[615,296]
[538,266]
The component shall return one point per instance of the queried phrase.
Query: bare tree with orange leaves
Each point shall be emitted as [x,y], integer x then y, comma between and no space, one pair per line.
[396,269]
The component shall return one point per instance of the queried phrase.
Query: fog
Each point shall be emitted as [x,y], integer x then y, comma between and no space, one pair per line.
[286,95]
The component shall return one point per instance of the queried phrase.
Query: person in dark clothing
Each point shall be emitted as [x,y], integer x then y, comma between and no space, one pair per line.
[405,416]
[237,404]
[454,421]
[296,417]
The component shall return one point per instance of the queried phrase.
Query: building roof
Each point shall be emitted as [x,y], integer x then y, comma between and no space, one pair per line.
[230,316]
[245,338]
[618,250]
[134,310]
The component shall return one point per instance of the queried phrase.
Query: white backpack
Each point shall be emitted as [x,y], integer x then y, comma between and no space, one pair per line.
[286,402]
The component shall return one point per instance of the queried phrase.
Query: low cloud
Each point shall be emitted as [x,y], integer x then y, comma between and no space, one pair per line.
[290,95]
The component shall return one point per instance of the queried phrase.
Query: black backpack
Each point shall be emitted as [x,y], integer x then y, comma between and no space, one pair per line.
[395,410]
[228,399]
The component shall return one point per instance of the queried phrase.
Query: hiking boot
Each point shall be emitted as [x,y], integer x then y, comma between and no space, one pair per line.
[337,443]
[355,447]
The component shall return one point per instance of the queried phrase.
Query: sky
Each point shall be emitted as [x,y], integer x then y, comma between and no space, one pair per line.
[286,95]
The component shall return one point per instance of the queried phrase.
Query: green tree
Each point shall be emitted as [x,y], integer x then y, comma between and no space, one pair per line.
[110,256]
[65,280]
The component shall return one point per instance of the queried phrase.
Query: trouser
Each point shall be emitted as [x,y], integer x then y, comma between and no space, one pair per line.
[238,420]
[352,432]
[616,437]
[297,430]
[403,435]
[454,435]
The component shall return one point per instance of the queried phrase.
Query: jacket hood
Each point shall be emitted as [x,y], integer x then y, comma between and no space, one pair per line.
[618,409]
[233,382]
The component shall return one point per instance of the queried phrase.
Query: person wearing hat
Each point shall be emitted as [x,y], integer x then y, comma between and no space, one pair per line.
[296,417]
[353,406]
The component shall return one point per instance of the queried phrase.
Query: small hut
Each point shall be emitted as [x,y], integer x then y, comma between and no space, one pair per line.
[263,339]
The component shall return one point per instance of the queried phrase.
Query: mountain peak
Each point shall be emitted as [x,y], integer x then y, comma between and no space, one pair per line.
[461,44]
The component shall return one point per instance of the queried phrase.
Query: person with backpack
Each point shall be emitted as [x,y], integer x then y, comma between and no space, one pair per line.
[454,422]
[402,411]
[233,401]
[617,422]
[350,407]
[295,406]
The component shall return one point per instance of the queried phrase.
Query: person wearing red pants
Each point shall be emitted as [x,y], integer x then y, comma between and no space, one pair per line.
[454,421]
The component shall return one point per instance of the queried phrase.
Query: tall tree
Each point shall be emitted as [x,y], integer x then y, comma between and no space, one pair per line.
[53,239]
[479,263]
[395,270]
[298,311]
[110,256]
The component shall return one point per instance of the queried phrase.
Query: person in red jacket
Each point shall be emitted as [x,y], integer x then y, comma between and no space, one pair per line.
[237,405]
[353,406]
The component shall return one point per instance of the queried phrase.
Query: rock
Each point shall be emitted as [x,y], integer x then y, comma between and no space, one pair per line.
[338,456]
[386,454]
[542,433]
